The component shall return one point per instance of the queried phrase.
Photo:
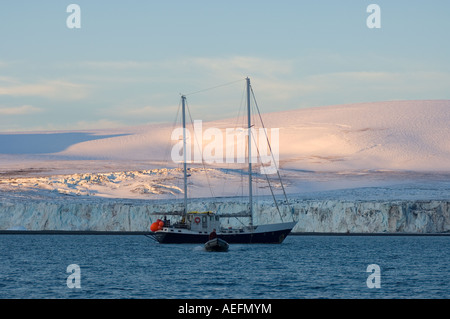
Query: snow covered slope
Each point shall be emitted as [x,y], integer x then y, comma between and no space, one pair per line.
[406,135]
[321,148]
[397,135]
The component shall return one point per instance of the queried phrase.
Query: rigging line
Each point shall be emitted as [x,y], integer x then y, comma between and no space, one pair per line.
[236,123]
[240,190]
[214,87]
[174,123]
[270,148]
[201,151]
[240,221]
[267,138]
[268,181]
[239,118]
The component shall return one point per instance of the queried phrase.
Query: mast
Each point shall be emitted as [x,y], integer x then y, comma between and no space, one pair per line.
[250,190]
[183,102]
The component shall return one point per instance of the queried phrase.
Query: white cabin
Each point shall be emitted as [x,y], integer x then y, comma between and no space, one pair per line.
[203,222]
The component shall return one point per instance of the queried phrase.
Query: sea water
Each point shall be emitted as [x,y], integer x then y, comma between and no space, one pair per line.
[125,266]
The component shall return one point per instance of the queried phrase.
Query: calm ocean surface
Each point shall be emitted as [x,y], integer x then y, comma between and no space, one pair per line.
[122,266]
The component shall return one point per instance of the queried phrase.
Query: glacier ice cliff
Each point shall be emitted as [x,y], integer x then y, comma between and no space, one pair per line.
[320,216]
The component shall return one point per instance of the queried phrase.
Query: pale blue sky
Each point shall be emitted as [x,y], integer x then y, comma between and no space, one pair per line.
[131,59]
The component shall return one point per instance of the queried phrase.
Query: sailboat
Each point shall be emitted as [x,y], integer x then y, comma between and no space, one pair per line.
[195,227]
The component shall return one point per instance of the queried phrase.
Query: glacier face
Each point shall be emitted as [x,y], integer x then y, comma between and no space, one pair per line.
[423,217]
[320,216]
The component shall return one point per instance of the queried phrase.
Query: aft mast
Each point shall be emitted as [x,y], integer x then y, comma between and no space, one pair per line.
[249,119]
[183,103]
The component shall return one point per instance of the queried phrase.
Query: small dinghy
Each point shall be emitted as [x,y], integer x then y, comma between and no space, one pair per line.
[216,244]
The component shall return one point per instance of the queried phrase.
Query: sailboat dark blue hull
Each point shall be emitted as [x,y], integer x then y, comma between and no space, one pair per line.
[266,235]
